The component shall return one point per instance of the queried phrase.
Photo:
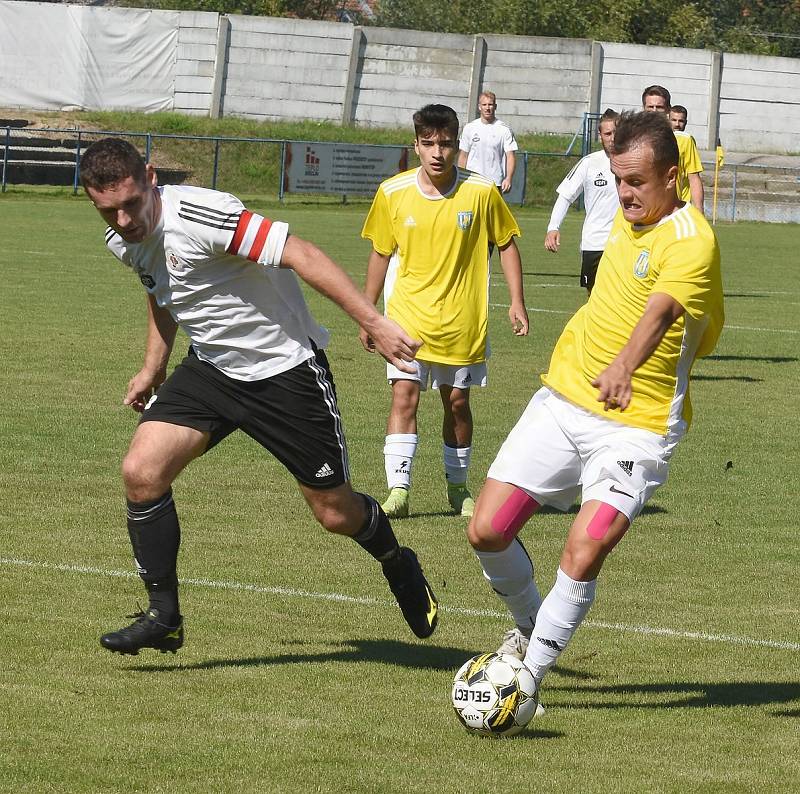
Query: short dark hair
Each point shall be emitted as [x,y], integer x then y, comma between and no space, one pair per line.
[609,115]
[657,90]
[110,160]
[435,118]
[679,109]
[637,127]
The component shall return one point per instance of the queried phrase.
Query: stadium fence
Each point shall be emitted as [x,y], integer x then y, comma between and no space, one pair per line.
[247,166]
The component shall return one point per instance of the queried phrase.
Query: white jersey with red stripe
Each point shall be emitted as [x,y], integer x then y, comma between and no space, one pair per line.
[216,267]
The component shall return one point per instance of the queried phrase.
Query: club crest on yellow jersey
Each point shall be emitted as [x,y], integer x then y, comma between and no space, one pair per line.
[464,220]
[642,265]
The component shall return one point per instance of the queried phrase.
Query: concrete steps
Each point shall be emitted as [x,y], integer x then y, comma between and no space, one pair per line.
[39,158]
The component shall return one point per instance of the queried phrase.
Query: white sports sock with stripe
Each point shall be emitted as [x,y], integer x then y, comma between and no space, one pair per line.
[398,454]
[510,575]
[560,614]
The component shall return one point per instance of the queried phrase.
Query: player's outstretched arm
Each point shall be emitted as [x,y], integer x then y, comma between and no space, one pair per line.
[511,164]
[552,240]
[320,272]
[614,382]
[511,262]
[377,266]
[161,330]
[696,190]
[462,158]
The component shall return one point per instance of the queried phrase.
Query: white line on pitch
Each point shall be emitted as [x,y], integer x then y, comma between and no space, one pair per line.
[530,309]
[768,330]
[292,592]
[727,327]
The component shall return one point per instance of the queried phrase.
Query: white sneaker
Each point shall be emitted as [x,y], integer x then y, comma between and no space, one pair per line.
[515,643]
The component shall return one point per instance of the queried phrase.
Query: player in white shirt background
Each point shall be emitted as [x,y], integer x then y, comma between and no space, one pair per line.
[228,278]
[487,145]
[591,177]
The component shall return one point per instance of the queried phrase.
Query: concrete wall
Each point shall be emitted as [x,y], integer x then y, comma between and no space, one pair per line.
[398,71]
[196,61]
[542,84]
[759,104]
[629,68]
[286,69]
[280,69]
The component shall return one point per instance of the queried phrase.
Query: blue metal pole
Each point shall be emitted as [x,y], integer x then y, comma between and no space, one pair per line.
[283,170]
[216,164]
[5,156]
[77,164]
[147,146]
[733,198]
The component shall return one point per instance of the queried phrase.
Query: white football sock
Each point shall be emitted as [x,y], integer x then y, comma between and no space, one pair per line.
[560,614]
[510,575]
[456,463]
[398,455]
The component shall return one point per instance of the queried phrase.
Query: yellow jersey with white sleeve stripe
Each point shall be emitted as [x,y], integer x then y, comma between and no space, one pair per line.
[437,286]
[678,256]
[688,163]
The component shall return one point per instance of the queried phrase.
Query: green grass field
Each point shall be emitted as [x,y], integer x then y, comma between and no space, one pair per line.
[299,673]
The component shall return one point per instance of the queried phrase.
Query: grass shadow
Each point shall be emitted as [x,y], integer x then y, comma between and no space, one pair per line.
[768,359]
[688,694]
[400,654]
[742,378]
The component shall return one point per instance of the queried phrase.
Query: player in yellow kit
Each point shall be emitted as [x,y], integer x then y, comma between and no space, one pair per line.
[615,399]
[656,98]
[431,228]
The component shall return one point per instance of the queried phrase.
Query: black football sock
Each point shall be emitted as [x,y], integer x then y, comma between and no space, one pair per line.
[155,537]
[376,536]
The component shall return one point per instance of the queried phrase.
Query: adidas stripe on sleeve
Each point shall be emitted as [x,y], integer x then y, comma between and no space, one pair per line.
[258,239]
[238,231]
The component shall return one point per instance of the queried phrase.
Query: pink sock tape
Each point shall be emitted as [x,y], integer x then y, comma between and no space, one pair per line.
[601,521]
[513,513]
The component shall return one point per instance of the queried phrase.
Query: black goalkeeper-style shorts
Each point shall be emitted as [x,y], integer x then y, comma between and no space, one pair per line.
[589,262]
[293,415]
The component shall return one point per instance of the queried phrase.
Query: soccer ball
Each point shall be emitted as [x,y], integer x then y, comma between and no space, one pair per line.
[494,694]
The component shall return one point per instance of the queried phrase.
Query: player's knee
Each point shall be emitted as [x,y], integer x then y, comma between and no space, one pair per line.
[583,562]
[459,404]
[336,520]
[405,398]
[143,478]
[482,538]
[493,529]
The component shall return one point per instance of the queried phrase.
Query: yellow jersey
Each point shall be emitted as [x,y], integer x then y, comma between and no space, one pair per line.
[437,287]
[688,163]
[678,256]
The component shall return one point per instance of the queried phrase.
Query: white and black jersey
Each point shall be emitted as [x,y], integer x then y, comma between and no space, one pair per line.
[216,267]
[486,146]
[592,176]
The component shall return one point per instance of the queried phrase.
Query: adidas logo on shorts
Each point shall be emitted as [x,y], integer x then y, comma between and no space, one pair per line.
[626,466]
[325,471]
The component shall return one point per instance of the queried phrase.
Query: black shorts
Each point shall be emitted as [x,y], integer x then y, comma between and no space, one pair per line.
[589,262]
[293,415]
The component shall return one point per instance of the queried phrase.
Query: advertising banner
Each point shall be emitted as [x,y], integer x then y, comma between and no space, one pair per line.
[340,168]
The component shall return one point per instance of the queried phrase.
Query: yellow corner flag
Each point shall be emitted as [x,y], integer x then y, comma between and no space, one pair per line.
[720,152]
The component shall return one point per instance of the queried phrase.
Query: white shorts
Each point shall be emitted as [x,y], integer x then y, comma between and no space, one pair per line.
[441,375]
[559,451]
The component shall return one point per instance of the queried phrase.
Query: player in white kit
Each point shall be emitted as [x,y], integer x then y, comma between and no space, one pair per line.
[592,177]
[256,363]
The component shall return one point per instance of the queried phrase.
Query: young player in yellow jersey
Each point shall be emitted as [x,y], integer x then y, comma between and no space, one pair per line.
[615,399]
[431,228]
[657,99]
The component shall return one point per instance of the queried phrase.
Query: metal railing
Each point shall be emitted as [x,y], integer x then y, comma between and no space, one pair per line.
[744,191]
